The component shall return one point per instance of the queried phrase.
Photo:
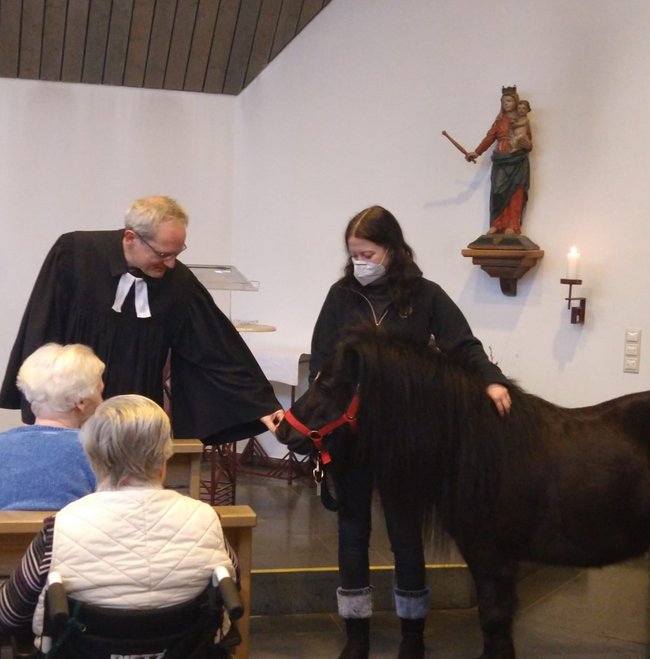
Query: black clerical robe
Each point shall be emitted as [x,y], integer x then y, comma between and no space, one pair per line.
[219,392]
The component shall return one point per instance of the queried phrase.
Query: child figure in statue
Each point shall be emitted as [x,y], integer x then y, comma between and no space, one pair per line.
[520,134]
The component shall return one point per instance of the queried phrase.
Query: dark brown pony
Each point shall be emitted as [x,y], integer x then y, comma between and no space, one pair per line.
[545,483]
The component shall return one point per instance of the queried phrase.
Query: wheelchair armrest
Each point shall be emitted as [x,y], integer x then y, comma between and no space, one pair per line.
[56,608]
[229,593]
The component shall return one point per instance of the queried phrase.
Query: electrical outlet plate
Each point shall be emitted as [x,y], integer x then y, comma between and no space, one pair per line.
[631,365]
[632,350]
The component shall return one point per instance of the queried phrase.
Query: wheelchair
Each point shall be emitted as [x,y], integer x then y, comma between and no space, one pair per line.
[190,630]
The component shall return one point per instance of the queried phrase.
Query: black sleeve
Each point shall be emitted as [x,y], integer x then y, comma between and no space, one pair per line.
[43,321]
[454,335]
[327,332]
[219,392]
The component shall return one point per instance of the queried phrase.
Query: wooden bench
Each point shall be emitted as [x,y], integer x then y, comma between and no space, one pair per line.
[18,528]
[184,467]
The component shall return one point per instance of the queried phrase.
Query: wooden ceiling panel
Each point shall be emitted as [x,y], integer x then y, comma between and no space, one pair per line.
[99,18]
[309,9]
[212,46]
[53,40]
[161,37]
[140,35]
[263,38]
[179,50]
[31,39]
[287,25]
[117,45]
[75,40]
[9,39]
[224,34]
[202,39]
[241,46]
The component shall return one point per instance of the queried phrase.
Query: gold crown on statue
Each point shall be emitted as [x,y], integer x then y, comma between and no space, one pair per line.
[509,91]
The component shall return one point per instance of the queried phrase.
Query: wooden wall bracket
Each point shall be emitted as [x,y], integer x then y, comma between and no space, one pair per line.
[509,265]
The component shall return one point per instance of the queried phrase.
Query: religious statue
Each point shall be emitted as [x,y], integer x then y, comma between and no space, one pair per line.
[504,251]
[510,177]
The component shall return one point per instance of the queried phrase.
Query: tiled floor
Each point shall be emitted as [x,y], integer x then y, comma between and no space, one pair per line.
[564,612]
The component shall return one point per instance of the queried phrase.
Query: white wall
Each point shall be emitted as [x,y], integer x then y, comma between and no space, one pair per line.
[351,114]
[348,115]
[75,157]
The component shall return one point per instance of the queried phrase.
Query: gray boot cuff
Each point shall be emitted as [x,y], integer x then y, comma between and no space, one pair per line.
[412,604]
[355,603]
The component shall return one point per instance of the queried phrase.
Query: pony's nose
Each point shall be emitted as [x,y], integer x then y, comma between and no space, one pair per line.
[281,431]
[300,445]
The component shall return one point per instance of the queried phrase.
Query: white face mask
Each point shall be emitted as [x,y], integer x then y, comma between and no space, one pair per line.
[365,272]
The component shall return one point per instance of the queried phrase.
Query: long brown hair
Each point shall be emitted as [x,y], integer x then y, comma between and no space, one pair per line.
[379,226]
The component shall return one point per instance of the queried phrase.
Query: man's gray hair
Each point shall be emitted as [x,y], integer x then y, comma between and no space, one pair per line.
[55,378]
[127,441]
[145,215]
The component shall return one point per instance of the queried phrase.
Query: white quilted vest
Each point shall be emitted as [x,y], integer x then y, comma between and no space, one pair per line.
[135,548]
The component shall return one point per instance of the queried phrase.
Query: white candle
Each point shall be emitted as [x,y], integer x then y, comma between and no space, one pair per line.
[573,264]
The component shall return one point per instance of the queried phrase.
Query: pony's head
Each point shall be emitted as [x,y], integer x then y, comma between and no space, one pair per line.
[425,424]
[327,411]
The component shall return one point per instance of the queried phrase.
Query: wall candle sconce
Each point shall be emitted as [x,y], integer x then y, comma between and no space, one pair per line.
[572,279]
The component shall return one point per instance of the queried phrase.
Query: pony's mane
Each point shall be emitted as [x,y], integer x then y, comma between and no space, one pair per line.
[433,436]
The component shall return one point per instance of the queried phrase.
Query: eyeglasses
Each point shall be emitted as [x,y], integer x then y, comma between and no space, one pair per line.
[161,255]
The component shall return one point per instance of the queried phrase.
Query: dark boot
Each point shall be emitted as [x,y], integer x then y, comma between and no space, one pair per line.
[412,645]
[358,644]
[412,607]
[355,607]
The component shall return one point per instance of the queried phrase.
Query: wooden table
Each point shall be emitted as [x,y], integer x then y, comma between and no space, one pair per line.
[18,528]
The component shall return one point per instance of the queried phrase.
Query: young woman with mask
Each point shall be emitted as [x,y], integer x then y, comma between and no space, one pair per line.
[382,285]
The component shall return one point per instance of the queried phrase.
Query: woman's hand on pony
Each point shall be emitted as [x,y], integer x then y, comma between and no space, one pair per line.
[500,397]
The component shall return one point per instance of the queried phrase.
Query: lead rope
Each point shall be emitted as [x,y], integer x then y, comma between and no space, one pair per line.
[318,472]
[323,490]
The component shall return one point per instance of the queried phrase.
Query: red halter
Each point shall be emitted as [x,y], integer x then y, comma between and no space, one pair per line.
[317,436]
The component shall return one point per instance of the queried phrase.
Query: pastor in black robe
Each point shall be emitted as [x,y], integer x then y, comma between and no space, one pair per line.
[219,392]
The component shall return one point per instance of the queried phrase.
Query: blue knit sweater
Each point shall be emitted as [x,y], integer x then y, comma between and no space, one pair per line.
[42,468]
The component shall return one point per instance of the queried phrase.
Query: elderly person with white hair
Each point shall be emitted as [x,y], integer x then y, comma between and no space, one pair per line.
[131,544]
[42,466]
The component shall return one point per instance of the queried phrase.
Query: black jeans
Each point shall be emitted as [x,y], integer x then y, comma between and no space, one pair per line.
[355,488]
